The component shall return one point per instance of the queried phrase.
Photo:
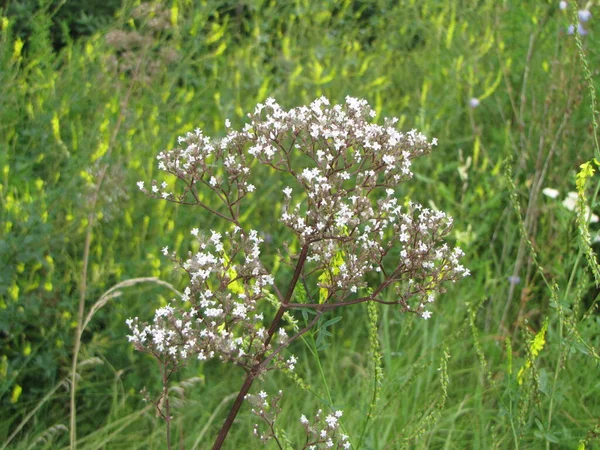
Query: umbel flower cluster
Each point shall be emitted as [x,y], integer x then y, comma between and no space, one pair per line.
[338,203]
[322,432]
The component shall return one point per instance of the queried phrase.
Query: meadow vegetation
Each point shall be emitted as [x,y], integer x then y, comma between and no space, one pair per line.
[89,97]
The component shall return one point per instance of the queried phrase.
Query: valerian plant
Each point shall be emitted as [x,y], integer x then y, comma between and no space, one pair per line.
[344,222]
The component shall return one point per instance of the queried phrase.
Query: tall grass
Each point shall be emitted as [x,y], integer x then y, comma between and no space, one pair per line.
[510,357]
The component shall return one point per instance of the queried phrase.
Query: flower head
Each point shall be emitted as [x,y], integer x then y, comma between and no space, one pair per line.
[550,192]
[343,221]
[584,15]
[474,102]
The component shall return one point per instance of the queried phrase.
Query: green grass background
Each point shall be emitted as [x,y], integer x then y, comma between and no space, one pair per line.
[76,135]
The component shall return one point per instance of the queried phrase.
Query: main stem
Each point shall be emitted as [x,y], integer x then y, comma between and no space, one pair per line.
[79,330]
[257,368]
[167,412]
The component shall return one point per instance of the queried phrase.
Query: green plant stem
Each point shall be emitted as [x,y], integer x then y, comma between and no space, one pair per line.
[210,420]
[32,413]
[592,91]
[370,413]
[77,345]
[555,380]
[512,422]
[86,255]
[321,371]
[376,365]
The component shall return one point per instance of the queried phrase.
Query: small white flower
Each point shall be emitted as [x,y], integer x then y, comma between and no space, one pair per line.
[250,188]
[570,201]
[426,314]
[584,15]
[388,160]
[303,419]
[287,191]
[165,251]
[514,279]
[571,29]
[227,123]
[331,421]
[562,5]
[140,185]
[550,192]
[195,231]
[291,362]
[474,102]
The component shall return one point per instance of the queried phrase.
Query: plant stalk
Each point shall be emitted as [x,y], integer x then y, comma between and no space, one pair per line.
[258,367]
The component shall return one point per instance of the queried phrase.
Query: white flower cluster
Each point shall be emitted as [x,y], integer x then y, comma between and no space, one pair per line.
[220,321]
[340,165]
[335,139]
[340,206]
[570,202]
[584,16]
[324,432]
[267,410]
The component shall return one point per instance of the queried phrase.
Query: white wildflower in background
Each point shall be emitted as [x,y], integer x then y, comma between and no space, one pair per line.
[474,102]
[570,202]
[550,192]
[514,279]
[325,431]
[584,15]
[582,31]
[562,5]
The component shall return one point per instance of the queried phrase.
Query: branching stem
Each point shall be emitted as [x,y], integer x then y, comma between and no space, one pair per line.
[259,367]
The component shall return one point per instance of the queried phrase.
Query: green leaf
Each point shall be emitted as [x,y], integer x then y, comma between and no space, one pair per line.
[332,321]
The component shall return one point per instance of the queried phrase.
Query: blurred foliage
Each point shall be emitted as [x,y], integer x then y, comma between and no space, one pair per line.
[70,19]
[90,93]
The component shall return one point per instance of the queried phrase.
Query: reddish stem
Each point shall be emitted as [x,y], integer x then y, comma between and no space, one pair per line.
[257,368]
